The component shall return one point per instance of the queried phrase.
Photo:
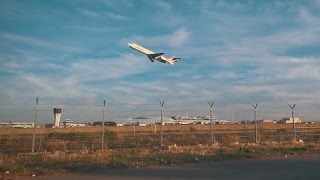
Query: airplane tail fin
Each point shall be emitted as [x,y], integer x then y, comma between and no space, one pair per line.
[173,59]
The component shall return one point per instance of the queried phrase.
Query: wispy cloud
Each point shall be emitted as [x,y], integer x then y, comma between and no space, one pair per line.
[114,16]
[176,39]
[90,28]
[23,61]
[162,4]
[24,39]
[40,43]
[88,12]
[108,14]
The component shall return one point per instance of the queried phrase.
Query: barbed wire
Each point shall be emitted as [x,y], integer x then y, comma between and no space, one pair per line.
[11,109]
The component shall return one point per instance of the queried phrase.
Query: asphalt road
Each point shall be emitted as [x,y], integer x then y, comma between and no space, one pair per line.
[284,168]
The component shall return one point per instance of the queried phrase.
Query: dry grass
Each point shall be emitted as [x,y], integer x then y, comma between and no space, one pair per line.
[69,149]
[148,129]
[27,164]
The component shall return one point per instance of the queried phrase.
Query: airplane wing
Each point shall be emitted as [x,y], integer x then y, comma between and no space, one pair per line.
[152,56]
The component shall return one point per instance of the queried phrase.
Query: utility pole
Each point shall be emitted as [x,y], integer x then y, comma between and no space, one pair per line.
[293,122]
[102,139]
[34,124]
[255,121]
[161,136]
[212,139]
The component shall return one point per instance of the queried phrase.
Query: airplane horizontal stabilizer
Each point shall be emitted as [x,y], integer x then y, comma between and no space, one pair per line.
[152,60]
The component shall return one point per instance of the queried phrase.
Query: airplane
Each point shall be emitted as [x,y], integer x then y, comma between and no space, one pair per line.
[153,56]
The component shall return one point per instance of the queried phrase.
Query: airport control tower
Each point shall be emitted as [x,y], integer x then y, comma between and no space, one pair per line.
[56,117]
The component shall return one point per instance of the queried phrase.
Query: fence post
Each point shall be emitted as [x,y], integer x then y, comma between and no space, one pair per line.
[293,122]
[255,121]
[161,136]
[212,138]
[102,138]
[34,124]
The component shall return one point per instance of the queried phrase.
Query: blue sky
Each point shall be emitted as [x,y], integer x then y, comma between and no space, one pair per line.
[233,52]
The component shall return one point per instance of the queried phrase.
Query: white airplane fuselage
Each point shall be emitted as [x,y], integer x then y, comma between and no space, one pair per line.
[152,55]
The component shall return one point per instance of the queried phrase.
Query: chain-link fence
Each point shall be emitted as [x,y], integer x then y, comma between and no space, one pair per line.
[139,125]
[89,139]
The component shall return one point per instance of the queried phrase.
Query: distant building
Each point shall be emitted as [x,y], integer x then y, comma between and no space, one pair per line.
[289,120]
[107,123]
[142,124]
[267,121]
[193,118]
[97,123]
[110,123]
[143,121]
[56,117]
[70,123]
[18,124]
[187,120]
[120,124]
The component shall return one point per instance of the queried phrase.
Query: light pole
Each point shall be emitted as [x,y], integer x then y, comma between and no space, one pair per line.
[19,116]
[102,139]
[255,121]
[34,124]
[293,122]
[232,115]
[212,139]
[161,136]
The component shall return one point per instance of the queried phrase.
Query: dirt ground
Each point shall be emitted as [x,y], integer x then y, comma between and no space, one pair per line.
[305,167]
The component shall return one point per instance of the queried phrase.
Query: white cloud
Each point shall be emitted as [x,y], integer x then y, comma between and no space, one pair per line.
[28,85]
[105,69]
[9,66]
[42,83]
[179,37]
[317,2]
[302,72]
[169,19]
[162,4]
[119,4]
[293,38]
[115,16]
[27,61]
